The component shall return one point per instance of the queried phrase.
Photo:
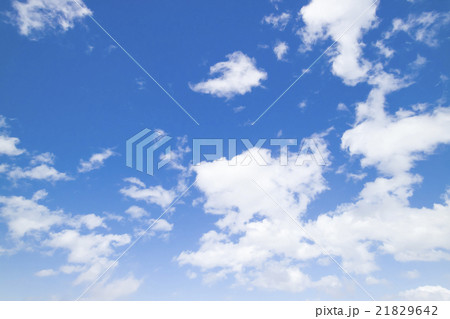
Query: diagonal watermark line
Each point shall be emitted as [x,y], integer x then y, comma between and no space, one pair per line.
[134,242]
[326,252]
[315,61]
[139,65]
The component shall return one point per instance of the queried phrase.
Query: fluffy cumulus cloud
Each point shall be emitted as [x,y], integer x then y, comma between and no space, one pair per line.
[280,50]
[255,240]
[344,24]
[35,16]
[8,145]
[96,161]
[27,217]
[426,293]
[237,76]
[394,143]
[136,212]
[41,172]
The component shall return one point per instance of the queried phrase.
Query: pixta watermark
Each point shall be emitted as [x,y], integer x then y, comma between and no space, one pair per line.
[148,151]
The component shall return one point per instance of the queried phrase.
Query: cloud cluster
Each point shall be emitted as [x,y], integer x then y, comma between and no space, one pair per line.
[89,252]
[257,244]
[255,241]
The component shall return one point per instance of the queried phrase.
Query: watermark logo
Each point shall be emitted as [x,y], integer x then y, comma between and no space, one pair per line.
[141,150]
[306,150]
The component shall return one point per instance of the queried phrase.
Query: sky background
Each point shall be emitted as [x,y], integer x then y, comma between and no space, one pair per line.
[376,104]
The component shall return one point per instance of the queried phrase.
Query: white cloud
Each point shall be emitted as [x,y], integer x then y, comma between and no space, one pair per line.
[419,61]
[277,21]
[136,212]
[342,107]
[8,146]
[26,217]
[96,161]
[393,143]
[375,281]
[358,232]
[323,20]
[36,16]
[45,158]
[356,177]
[91,251]
[89,254]
[238,109]
[423,28]
[157,226]
[135,181]
[46,273]
[279,133]
[255,241]
[176,154]
[384,50]
[41,172]
[302,104]
[426,293]
[153,194]
[116,289]
[4,168]
[140,83]
[191,274]
[285,277]
[3,123]
[161,225]
[238,75]
[412,274]
[90,221]
[280,50]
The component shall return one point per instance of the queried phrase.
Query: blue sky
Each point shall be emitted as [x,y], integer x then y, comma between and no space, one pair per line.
[376,105]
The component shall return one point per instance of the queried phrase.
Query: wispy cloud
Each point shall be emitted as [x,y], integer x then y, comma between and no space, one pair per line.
[96,161]
[277,21]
